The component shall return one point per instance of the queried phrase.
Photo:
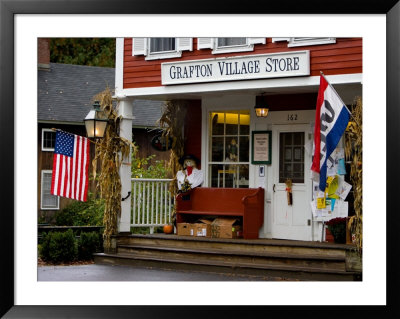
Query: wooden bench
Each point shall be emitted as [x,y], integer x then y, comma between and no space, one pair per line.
[246,203]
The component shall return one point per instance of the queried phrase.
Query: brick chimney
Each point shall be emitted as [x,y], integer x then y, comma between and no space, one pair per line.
[43,53]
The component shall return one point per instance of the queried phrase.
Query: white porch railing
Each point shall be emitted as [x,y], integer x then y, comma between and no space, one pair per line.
[152,202]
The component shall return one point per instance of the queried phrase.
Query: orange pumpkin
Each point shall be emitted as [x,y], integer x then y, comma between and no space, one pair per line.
[168,229]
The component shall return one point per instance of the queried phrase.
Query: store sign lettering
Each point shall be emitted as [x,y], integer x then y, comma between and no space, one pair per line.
[237,68]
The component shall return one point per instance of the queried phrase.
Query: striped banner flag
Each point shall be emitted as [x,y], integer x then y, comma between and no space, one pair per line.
[331,119]
[70,166]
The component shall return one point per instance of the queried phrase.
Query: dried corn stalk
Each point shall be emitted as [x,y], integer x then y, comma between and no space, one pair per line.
[172,122]
[110,151]
[353,151]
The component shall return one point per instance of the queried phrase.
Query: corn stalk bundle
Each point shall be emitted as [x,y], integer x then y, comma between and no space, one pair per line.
[353,152]
[172,122]
[110,151]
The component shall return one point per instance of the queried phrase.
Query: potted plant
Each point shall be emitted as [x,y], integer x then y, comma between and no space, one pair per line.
[337,227]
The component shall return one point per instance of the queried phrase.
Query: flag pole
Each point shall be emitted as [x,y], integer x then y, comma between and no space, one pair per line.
[351,114]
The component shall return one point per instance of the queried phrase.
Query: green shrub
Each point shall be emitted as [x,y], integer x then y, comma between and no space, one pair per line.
[89,213]
[59,247]
[148,167]
[88,244]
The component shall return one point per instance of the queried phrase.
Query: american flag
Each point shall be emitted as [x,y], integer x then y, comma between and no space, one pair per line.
[70,166]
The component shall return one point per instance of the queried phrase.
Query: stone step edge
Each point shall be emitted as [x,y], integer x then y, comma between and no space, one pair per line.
[229,265]
[237,253]
[266,242]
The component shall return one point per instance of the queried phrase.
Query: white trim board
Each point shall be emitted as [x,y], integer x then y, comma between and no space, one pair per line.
[265,85]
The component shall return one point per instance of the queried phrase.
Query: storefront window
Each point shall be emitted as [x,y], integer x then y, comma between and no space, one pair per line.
[229,149]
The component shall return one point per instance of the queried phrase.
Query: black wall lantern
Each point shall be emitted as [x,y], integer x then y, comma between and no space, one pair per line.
[95,122]
[261,107]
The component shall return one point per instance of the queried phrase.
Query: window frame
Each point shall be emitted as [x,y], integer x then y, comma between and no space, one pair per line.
[231,48]
[57,207]
[47,149]
[162,54]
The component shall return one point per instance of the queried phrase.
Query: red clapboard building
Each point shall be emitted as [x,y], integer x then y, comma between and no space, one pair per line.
[222,80]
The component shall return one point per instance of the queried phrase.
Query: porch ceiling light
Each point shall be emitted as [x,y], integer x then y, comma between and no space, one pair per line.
[261,107]
[95,122]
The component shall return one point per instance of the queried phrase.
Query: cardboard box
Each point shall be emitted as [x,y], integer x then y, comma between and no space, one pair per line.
[202,228]
[225,227]
[184,229]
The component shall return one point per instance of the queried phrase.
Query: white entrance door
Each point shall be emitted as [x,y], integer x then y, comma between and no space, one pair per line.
[290,160]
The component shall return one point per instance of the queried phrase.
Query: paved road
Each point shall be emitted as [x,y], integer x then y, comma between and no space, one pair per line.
[96,272]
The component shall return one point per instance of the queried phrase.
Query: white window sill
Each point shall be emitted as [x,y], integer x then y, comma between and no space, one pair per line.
[245,48]
[158,56]
[49,208]
[306,43]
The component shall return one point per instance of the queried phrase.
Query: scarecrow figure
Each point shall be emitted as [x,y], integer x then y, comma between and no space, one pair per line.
[190,177]
[232,150]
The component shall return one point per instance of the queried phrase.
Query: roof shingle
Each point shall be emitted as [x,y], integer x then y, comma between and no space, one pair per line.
[65,94]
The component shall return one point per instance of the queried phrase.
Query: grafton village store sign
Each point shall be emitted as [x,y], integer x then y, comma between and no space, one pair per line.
[247,67]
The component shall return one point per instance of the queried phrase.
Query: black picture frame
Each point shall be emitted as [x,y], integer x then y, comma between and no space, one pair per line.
[255,136]
[8,10]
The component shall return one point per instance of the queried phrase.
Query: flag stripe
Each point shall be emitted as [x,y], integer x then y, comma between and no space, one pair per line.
[53,175]
[86,166]
[317,128]
[79,157]
[331,119]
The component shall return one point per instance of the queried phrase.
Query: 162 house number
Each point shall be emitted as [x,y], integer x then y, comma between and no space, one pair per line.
[292,117]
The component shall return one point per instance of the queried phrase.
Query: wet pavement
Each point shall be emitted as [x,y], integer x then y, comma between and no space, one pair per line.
[97,272]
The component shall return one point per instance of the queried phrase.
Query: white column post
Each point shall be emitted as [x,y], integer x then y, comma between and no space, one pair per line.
[124,223]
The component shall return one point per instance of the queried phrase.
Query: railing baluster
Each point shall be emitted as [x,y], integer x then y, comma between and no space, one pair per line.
[157,203]
[152,203]
[161,204]
[169,207]
[148,202]
[165,201]
[143,198]
[134,204]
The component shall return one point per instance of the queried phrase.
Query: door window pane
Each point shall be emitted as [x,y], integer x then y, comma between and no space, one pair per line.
[217,154]
[244,120]
[243,149]
[232,148]
[231,122]
[291,157]
[217,123]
